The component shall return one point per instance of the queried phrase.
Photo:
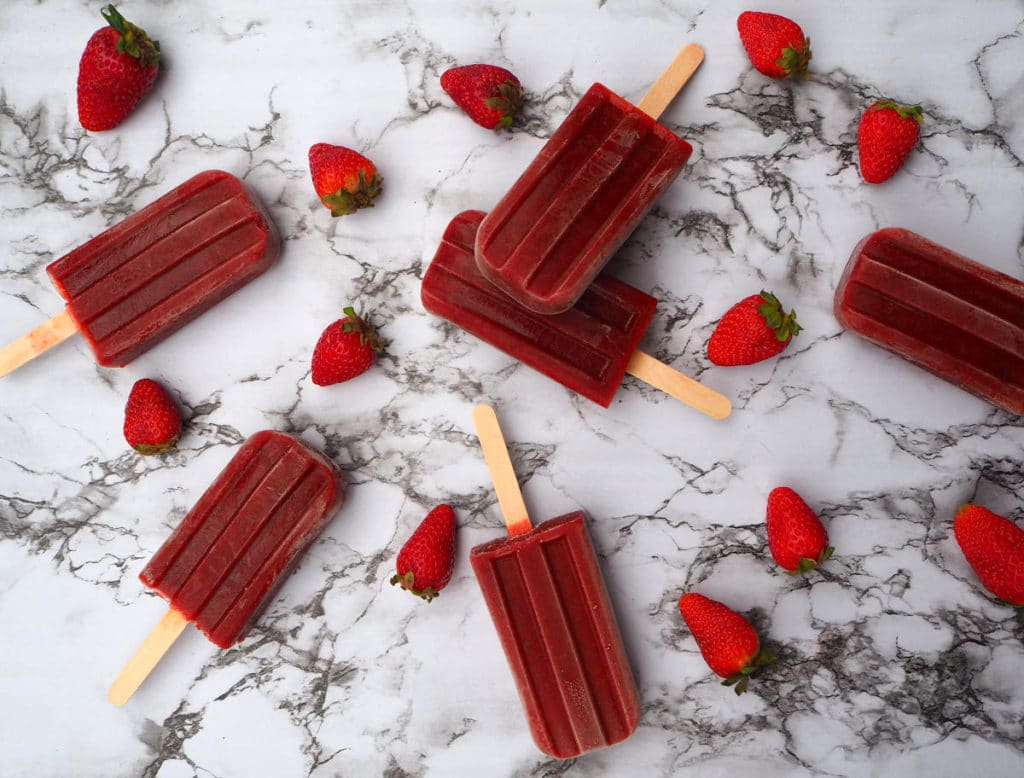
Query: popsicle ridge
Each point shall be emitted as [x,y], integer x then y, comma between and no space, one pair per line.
[560,648]
[176,560]
[608,157]
[221,554]
[279,544]
[586,348]
[144,278]
[84,266]
[942,311]
[237,545]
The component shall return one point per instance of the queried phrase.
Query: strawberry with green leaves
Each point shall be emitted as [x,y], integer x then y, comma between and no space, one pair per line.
[427,559]
[994,547]
[347,348]
[754,329]
[888,132]
[344,179]
[727,641]
[117,69]
[775,44]
[491,96]
[796,536]
[152,424]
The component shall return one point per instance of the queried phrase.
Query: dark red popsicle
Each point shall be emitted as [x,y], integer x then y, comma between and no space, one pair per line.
[567,214]
[144,278]
[955,317]
[225,560]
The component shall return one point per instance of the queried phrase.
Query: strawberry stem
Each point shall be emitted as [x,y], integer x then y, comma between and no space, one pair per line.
[133,41]
[343,202]
[741,679]
[367,332]
[784,324]
[795,60]
[408,582]
[905,111]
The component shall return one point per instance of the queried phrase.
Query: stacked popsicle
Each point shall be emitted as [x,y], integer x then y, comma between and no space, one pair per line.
[527,279]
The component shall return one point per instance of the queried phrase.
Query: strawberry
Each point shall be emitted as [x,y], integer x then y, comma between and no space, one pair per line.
[491,96]
[152,424]
[727,641]
[427,559]
[887,134]
[796,537]
[345,349]
[776,45]
[118,67]
[754,329]
[994,547]
[344,179]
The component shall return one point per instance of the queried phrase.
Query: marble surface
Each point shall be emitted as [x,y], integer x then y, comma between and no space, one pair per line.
[893,661]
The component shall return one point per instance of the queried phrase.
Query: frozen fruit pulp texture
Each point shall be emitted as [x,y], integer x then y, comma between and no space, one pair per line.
[578,201]
[586,348]
[144,278]
[942,311]
[231,552]
[549,604]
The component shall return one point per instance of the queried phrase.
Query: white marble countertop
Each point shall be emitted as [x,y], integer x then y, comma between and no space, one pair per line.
[893,661]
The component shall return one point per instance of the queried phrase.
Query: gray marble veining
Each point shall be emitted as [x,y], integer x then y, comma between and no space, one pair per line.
[892,660]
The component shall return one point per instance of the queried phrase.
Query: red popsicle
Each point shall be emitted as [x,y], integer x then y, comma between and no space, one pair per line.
[588,348]
[589,186]
[231,552]
[547,598]
[144,278]
[955,317]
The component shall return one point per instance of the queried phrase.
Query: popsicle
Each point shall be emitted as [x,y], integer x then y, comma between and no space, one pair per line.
[231,552]
[589,186]
[144,278]
[955,317]
[548,601]
[588,348]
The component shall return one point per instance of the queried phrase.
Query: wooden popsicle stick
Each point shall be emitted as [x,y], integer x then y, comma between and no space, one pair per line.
[146,658]
[682,387]
[510,498]
[671,81]
[28,347]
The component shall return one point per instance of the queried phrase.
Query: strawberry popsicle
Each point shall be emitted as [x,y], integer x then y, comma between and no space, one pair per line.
[953,316]
[589,186]
[547,598]
[144,278]
[588,348]
[231,552]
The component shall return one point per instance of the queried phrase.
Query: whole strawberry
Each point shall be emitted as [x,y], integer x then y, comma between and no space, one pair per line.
[344,179]
[345,349]
[796,537]
[727,641]
[152,424]
[887,134]
[776,45]
[752,330]
[994,547]
[491,96]
[118,67]
[427,559]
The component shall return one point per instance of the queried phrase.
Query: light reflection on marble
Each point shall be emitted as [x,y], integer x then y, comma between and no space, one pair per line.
[894,662]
